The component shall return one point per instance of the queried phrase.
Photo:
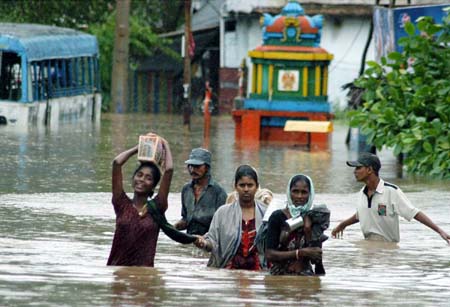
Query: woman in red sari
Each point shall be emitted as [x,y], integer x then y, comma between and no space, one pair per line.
[231,236]
[136,234]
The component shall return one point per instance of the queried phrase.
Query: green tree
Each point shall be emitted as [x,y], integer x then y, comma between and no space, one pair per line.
[147,19]
[63,13]
[160,15]
[143,42]
[407,100]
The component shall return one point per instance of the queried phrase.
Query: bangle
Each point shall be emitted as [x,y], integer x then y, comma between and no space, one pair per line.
[296,254]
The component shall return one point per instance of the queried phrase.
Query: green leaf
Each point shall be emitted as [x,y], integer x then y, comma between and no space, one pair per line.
[408,140]
[395,56]
[444,91]
[380,94]
[427,146]
[372,64]
[444,144]
[397,149]
[409,28]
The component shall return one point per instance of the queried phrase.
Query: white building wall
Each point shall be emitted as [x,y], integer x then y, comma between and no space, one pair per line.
[246,38]
[346,41]
[231,53]
[237,44]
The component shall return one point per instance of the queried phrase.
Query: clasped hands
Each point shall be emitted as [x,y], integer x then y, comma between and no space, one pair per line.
[201,242]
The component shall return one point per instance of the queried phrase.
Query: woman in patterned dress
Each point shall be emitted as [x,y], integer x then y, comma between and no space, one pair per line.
[291,251]
[136,233]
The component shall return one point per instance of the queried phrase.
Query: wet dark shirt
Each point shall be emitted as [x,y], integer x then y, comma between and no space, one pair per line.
[292,242]
[320,220]
[198,215]
[276,222]
[135,238]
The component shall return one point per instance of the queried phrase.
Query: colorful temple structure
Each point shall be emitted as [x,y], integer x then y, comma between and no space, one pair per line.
[288,98]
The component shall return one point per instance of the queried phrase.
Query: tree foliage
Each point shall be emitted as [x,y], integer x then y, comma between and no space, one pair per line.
[160,15]
[407,99]
[63,13]
[143,42]
[147,19]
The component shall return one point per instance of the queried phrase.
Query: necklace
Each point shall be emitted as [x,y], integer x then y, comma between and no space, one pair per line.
[142,211]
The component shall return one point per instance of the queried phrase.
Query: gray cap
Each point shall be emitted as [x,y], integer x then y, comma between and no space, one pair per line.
[366,159]
[199,156]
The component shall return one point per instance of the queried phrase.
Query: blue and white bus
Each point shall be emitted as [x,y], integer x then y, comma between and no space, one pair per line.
[47,75]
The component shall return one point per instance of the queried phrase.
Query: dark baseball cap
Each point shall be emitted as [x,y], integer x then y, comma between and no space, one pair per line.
[199,156]
[366,159]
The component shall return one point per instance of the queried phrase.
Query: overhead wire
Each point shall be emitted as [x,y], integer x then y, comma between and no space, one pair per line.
[335,64]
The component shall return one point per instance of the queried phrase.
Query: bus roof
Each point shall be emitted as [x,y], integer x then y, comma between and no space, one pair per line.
[39,42]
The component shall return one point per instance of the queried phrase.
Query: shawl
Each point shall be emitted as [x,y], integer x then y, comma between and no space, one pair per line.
[167,228]
[225,232]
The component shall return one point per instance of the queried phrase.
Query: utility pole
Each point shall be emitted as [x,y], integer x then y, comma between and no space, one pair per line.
[187,67]
[119,80]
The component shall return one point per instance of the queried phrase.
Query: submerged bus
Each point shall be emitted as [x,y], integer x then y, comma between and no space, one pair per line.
[47,75]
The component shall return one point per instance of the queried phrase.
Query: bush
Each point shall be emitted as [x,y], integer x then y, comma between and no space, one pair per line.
[407,100]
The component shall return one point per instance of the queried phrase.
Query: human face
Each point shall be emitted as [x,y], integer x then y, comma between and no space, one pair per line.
[246,188]
[197,171]
[143,181]
[300,193]
[362,173]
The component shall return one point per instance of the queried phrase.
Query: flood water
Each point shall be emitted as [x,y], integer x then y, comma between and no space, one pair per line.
[57,224]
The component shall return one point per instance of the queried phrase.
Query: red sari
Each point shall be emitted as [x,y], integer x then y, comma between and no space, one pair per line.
[246,257]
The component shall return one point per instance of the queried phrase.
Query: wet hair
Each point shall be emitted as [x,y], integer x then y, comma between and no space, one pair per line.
[156,174]
[245,171]
[298,178]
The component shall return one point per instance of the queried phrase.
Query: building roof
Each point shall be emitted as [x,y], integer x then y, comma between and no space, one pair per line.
[249,6]
[325,7]
[206,18]
[210,11]
[204,40]
[39,42]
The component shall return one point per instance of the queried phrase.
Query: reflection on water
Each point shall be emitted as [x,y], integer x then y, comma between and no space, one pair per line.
[300,289]
[57,225]
[77,158]
[54,247]
[137,286]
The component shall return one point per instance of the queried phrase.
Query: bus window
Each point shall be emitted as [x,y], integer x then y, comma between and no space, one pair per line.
[10,77]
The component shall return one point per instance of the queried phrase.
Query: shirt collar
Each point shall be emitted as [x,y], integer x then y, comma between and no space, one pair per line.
[210,181]
[379,189]
[380,186]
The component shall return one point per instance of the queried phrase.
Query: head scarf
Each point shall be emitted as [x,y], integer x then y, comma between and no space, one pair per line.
[299,210]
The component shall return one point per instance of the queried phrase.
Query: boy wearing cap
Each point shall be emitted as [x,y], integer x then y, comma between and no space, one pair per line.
[380,204]
[201,197]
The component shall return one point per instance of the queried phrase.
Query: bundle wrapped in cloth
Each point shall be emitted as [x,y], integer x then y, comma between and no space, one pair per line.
[150,149]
